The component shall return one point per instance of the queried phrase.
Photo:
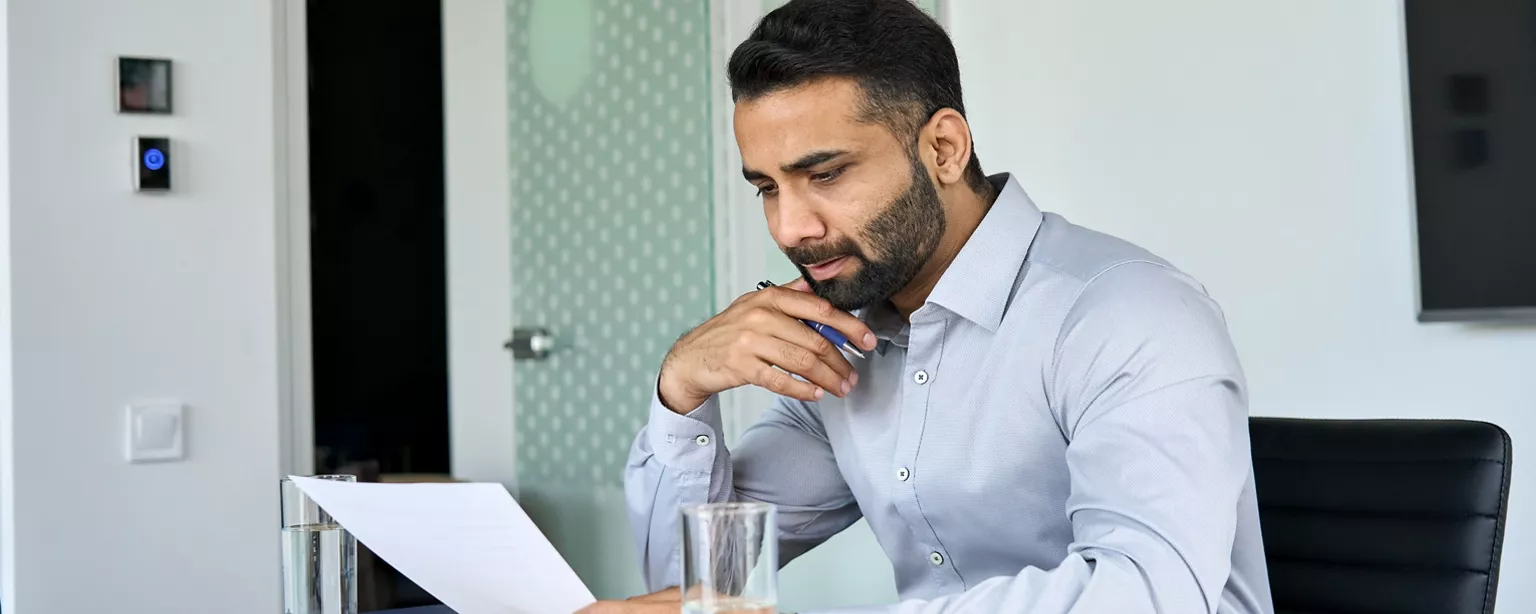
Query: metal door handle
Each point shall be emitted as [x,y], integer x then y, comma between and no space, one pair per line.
[530,343]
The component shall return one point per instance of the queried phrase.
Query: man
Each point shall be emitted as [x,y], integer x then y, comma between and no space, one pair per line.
[1048,419]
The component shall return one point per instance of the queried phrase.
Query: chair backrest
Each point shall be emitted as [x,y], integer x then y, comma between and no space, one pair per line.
[1381,516]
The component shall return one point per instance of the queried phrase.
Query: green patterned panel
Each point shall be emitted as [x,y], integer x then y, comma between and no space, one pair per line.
[560,48]
[611,217]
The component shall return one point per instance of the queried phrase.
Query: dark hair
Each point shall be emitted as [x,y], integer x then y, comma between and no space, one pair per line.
[900,57]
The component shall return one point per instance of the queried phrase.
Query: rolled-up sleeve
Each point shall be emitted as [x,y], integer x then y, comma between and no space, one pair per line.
[1147,388]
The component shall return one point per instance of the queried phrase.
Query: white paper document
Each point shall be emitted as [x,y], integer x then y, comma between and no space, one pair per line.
[469,545]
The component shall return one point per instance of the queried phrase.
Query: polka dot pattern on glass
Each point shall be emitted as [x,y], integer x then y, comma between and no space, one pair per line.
[611,231]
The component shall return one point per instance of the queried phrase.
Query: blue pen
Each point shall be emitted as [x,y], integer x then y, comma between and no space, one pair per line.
[828,332]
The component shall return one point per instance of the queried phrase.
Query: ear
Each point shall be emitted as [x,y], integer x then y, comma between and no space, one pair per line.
[948,136]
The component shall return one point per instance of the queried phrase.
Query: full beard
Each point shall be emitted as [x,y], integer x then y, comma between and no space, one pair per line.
[904,236]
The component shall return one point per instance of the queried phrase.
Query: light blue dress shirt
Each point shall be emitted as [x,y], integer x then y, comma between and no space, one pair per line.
[1061,427]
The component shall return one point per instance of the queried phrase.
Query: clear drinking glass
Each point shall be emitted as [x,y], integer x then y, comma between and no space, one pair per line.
[319,557]
[730,559]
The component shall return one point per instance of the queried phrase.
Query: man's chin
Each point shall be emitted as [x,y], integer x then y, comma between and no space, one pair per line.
[843,294]
[845,290]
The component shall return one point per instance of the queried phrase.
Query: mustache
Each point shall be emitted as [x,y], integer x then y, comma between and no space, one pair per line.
[811,254]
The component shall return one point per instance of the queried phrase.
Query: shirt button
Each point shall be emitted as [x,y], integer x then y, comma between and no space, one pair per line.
[902,474]
[921,377]
[702,440]
[936,558]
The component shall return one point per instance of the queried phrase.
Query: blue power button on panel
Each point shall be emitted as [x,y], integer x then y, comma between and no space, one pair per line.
[154,159]
[152,164]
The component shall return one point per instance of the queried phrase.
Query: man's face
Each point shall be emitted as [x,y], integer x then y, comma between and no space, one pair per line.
[845,200]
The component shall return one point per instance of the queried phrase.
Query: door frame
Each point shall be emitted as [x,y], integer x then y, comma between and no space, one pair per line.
[739,232]
[482,425]
[478,187]
[296,411]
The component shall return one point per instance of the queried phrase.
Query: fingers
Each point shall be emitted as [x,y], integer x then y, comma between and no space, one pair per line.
[632,607]
[798,333]
[761,340]
[762,373]
[671,594]
[799,361]
[807,306]
[668,594]
[799,285]
[668,601]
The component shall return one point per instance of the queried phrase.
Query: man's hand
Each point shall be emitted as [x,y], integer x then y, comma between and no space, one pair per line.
[669,601]
[760,331]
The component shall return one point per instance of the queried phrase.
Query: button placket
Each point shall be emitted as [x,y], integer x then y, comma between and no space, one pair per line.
[925,354]
[925,346]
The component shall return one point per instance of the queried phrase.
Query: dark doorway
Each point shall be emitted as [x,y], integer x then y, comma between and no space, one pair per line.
[378,265]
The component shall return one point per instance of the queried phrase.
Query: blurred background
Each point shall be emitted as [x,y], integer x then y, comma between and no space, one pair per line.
[373,203]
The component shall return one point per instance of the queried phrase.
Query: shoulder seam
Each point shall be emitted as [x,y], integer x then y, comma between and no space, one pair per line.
[1061,326]
[1056,348]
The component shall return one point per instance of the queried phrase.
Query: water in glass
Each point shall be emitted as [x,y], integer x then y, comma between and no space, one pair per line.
[319,570]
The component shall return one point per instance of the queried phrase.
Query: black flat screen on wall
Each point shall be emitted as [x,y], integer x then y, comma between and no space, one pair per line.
[1472,101]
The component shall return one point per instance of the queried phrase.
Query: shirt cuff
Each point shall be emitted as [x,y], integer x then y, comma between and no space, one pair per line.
[685,442]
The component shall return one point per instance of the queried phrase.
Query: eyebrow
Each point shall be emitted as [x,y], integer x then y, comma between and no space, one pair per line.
[806,161]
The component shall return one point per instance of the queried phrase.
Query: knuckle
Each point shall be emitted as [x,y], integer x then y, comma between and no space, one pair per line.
[757,316]
[779,383]
[743,343]
[799,359]
[824,308]
[779,295]
[774,379]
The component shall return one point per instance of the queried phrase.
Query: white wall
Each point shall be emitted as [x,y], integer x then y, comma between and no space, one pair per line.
[116,297]
[1262,146]
[7,475]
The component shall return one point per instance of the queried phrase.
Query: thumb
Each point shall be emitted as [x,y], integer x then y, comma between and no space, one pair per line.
[799,285]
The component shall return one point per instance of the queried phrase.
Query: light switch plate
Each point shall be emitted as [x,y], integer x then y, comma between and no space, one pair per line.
[156,431]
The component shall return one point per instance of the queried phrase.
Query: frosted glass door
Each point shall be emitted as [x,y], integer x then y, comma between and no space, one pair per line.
[611,235]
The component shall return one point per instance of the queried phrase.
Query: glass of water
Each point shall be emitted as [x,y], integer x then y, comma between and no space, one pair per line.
[319,557]
[730,559]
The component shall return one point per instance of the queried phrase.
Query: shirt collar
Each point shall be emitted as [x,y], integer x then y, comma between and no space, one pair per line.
[979,283]
[889,327]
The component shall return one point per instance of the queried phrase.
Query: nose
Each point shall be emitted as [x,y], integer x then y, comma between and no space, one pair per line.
[793,221]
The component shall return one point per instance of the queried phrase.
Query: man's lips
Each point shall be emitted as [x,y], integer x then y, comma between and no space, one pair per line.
[827,269]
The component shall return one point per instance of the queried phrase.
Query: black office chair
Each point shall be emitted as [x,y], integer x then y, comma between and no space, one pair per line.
[1381,516]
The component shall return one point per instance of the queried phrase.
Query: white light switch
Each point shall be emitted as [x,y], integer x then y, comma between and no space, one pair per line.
[155,431]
